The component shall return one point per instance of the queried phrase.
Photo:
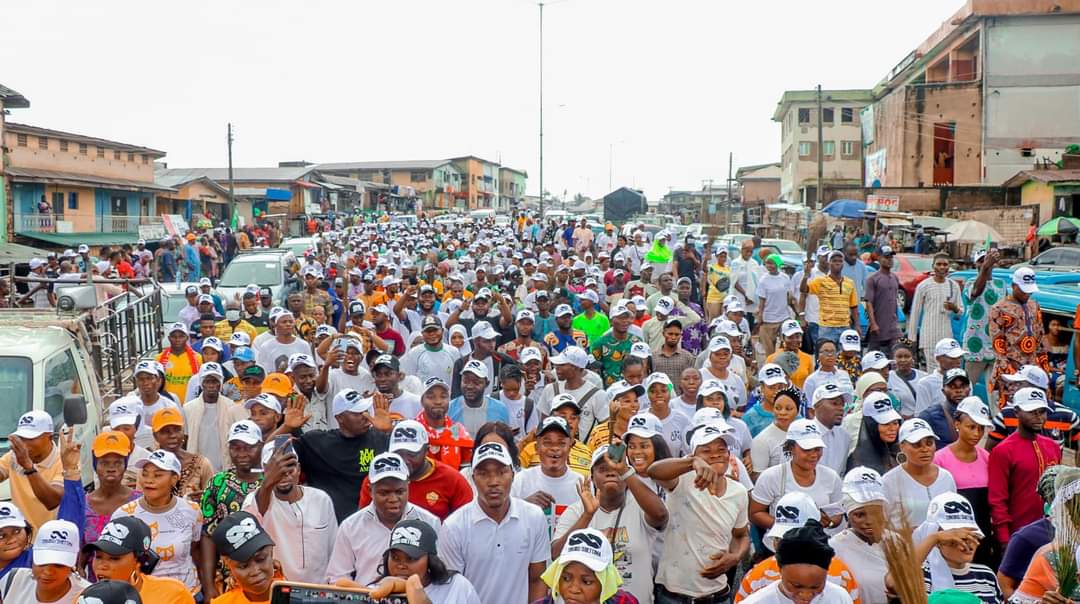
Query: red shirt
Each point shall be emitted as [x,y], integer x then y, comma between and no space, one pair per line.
[1016,464]
[441,492]
[450,444]
[390,335]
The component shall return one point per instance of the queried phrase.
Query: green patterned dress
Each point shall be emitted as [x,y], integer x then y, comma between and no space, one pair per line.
[977,330]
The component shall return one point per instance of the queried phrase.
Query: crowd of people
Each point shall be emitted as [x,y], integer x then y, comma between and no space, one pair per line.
[503,415]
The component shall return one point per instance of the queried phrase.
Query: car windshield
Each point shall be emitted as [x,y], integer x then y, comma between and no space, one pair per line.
[171,308]
[15,383]
[297,247]
[922,265]
[783,245]
[239,274]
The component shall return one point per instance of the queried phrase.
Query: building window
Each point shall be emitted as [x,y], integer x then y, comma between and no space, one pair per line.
[804,116]
[58,202]
[131,156]
[827,115]
[101,152]
[805,149]
[828,148]
[116,154]
[73,200]
[43,142]
[418,176]
[847,115]
[63,145]
[21,140]
[145,158]
[82,149]
[847,148]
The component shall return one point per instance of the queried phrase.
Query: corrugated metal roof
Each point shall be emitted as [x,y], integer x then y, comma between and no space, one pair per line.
[55,176]
[80,138]
[408,164]
[12,99]
[175,176]
[1046,176]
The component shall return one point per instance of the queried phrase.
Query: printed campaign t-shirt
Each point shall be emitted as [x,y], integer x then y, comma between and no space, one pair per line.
[172,535]
[563,489]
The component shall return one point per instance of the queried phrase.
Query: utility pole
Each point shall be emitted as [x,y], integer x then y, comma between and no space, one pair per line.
[711,201]
[727,213]
[232,200]
[541,110]
[820,154]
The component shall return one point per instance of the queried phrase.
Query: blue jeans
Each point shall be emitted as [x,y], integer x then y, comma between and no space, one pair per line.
[830,333]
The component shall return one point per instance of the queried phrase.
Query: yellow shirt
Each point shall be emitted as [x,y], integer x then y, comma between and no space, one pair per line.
[178,371]
[436,284]
[579,460]
[601,433]
[806,367]
[158,590]
[223,331]
[22,495]
[835,300]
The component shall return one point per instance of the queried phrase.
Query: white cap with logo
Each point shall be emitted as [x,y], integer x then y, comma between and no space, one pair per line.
[245,431]
[1024,278]
[408,435]
[977,410]
[914,430]
[878,407]
[57,542]
[806,434]
[587,546]
[792,511]
[952,510]
[1026,399]
[33,424]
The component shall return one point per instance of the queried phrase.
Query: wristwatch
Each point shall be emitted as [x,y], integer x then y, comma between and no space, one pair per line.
[32,470]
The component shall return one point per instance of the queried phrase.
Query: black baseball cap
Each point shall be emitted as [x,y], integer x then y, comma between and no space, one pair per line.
[125,535]
[253,371]
[386,360]
[430,321]
[239,535]
[110,592]
[356,307]
[264,292]
[414,538]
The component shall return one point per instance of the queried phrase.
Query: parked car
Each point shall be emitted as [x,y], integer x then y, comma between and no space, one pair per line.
[910,270]
[173,300]
[1062,258]
[265,267]
[792,253]
[298,245]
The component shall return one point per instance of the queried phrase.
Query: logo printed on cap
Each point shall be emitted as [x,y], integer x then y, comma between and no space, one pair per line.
[882,404]
[242,532]
[637,421]
[851,338]
[404,432]
[787,512]
[406,535]
[386,463]
[579,539]
[774,372]
[115,533]
[490,447]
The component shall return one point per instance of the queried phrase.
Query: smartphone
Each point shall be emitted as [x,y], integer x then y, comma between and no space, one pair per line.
[413,280]
[284,443]
[616,452]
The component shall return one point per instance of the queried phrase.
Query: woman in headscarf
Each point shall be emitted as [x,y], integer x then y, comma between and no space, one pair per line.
[877,444]
[585,572]
[859,545]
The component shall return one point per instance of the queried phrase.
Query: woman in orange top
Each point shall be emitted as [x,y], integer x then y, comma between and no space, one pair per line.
[248,552]
[122,553]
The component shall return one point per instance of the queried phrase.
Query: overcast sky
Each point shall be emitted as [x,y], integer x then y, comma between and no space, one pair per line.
[671,85]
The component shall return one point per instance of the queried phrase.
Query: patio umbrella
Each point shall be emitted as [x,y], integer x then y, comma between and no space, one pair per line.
[1062,225]
[845,208]
[972,231]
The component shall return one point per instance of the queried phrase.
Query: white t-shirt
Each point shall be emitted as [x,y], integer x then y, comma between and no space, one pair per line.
[827,487]
[901,488]
[773,292]
[866,563]
[632,543]
[407,405]
[144,436]
[675,426]
[563,489]
[735,385]
[273,355]
[766,452]
[832,594]
[518,422]
[361,540]
[595,410]
[424,363]
[174,532]
[457,591]
[23,588]
[699,525]
[306,528]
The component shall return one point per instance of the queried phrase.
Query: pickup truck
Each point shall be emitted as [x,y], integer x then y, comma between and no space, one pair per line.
[73,361]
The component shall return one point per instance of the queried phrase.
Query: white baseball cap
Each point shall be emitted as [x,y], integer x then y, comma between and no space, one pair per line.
[710,432]
[708,415]
[245,431]
[151,367]
[213,342]
[1024,278]
[664,306]
[563,310]
[875,359]
[791,512]
[11,515]
[948,347]
[525,315]
[621,387]
[239,338]
[483,329]
[826,391]
[637,301]
[771,374]
[476,368]
[1025,399]
[618,309]
[719,343]
[572,355]
[162,459]
[33,424]
[729,328]
[388,465]
[646,425]
[211,368]
[658,377]
[434,382]
[266,400]
[491,451]
[864,485]
[564,399]
[408,435]
[351,401]
[177,327]
[805,433]
[712,386]
[790,327]
[1032,374]
[589,547]
[914,430]
[973,407]
[57,542]
[591,296]
[878,407]
[301,359]
[850,341]
[640,350]
[123,413]
[952,510]
[530,353]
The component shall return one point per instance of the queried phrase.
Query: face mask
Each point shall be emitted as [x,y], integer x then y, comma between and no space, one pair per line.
[232,315]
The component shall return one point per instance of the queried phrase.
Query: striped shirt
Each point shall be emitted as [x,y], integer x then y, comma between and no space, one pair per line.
[976,579]
[929,321]
[835,300]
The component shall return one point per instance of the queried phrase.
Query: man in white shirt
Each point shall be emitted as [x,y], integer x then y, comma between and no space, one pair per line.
[344,368]
[774,293]
[433,358]
[828,403]
[386,372]
[300,516]
[362,537]
[208,417]
[572,378]
[273,355]
[745,273]
[811,306]
[551,485]
[948,354]
[499,542]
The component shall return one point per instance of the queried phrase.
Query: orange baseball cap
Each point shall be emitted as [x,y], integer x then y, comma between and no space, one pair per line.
[111,441]
[278,384]
[166,417]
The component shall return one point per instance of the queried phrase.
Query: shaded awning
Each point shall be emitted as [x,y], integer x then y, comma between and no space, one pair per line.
[892,221]
[330,186]
[17,253]
[75,239]
[56,177]
[307,185]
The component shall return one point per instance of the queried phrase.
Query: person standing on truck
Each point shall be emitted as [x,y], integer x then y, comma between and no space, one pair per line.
[180,361]
[40,292]
[33,468]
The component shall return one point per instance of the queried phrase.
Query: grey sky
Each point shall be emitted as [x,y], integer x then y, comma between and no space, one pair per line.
[676,84]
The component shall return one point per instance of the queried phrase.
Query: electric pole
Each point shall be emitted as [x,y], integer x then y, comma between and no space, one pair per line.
[727,212]
[541,110]
[232,200]
[820,154]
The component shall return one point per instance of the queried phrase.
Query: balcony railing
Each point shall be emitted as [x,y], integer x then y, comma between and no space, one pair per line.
[125,224]
[76,223]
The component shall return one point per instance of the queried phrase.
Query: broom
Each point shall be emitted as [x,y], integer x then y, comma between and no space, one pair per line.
[899,546]
[1063,558]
